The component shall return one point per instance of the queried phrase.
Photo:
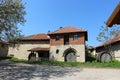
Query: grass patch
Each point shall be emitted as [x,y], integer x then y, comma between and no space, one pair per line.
[18,60]
[95,64]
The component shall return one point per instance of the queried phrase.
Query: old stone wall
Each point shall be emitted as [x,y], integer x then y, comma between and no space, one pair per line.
[80,52]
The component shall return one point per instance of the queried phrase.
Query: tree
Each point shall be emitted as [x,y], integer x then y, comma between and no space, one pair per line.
[107,34]
[12,13]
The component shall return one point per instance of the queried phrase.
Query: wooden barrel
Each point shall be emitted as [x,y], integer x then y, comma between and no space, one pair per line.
[104,57]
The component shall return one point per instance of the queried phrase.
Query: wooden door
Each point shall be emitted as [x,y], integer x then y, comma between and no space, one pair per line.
[66,39]
[70,57]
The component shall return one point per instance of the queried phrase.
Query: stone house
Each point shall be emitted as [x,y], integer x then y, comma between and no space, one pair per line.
[38,43]
[114,45]
[3,49]
[68,44]
[64,44]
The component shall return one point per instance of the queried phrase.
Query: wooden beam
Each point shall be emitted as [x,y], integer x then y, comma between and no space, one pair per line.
[115,17]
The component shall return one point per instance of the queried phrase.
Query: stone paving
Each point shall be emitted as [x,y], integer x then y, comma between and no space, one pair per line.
[19,71]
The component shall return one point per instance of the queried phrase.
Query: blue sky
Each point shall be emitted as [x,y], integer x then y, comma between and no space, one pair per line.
[44,15]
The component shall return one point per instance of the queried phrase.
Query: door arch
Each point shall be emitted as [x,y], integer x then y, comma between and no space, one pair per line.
[70,55]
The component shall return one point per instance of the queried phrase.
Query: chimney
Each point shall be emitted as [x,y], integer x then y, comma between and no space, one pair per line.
[48,31]
[60,27]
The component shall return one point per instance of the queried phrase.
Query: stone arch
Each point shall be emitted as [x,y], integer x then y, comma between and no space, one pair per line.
[32,56]
[70,55]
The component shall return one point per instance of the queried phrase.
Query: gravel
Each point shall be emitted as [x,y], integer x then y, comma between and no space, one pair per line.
[19,71]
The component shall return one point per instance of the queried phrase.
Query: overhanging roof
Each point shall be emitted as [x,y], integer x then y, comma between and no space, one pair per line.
[69,29]
[39,49]
[115,17]
[2,42]
[112,41]
[36,37]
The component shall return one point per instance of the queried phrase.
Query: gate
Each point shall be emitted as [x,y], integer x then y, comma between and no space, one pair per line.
[70,55]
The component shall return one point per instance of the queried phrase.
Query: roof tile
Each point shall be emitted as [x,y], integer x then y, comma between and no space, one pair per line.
[2,42]
[67,29]
[39,49]
[37,37]
[114,40]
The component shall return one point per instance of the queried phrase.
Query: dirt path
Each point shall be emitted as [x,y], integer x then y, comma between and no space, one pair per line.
[19,71]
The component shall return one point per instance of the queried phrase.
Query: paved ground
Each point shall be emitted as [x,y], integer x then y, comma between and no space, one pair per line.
[19,71]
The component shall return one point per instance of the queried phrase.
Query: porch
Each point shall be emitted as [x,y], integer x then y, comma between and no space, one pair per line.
[39,53]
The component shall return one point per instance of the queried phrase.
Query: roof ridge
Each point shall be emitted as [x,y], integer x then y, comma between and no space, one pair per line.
[74,27]
[41,36]
[67,29]
[113,40]
[35,34]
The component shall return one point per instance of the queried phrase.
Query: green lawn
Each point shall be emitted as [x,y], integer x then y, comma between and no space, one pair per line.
[95,64]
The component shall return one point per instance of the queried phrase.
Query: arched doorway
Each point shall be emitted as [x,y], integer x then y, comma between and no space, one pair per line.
[70,55]
[32,56]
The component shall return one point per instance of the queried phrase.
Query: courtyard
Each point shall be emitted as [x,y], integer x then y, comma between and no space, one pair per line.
[20,71]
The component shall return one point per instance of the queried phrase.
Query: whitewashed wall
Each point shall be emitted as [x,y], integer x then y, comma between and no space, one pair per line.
[22,52]
[80,50]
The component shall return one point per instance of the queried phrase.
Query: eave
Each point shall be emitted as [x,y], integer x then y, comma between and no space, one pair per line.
[115,17]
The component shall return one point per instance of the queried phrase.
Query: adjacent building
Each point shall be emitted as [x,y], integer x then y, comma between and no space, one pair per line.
[38,44]
[3,49]
[64,44]
[113,45]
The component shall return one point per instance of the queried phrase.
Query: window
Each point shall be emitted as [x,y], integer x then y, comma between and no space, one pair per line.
[75,37]
[57,51]
[66,39]
[57,38]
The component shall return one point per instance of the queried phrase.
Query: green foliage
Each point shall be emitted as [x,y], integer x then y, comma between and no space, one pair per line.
[11,13]
[111,64]
[89,53]
[18,60]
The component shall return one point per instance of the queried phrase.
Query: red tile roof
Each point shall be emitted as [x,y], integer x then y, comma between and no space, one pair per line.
[2,42]
[68,29]
[37,37]
[114,40]
[39,49]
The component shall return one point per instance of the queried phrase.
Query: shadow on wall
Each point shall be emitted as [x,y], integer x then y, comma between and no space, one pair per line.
[19,71]
[3,50]
[52,58]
